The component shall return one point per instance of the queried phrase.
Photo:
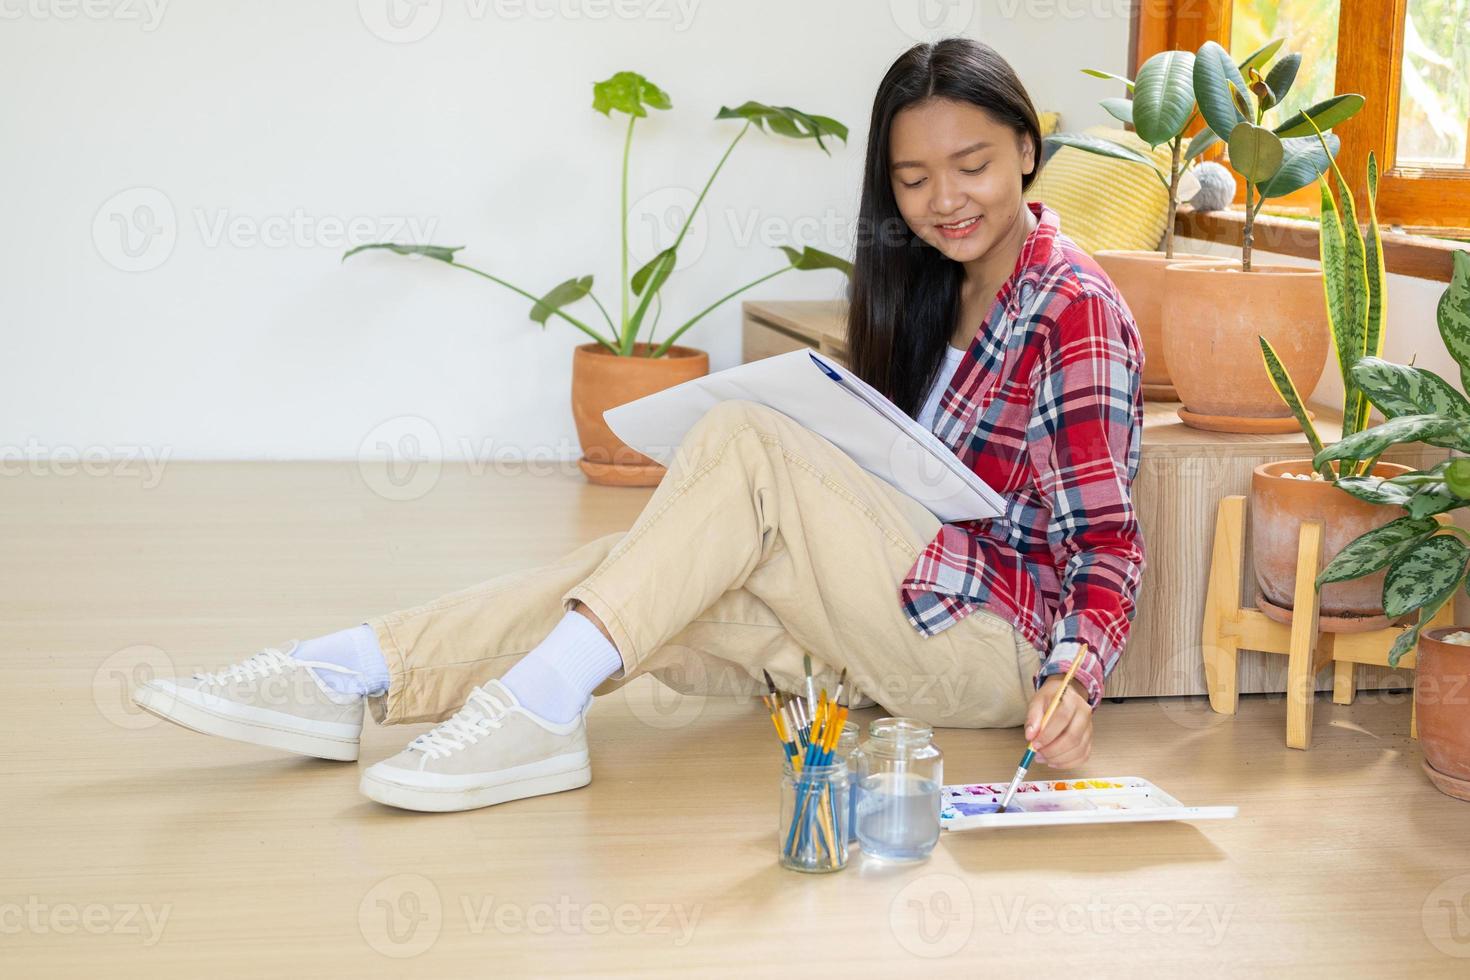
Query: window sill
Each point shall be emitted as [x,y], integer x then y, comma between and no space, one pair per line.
[1407,255]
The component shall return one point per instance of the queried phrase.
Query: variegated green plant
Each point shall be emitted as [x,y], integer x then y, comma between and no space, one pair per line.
[1355,284]
[1426,560]
[633,95]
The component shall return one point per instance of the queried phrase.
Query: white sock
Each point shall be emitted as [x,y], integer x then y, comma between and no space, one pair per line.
[556,678]
[356,650]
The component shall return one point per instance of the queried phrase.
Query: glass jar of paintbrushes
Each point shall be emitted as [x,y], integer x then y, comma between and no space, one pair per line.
[812,833]
[899,772]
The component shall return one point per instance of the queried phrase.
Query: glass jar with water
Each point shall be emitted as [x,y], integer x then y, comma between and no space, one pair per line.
[899,772]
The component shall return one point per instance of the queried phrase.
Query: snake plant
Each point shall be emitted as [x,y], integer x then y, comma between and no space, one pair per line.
[1355,283]
[1427,561]
[633,95]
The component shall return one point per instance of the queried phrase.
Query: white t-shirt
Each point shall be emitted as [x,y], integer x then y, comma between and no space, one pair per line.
[930,411]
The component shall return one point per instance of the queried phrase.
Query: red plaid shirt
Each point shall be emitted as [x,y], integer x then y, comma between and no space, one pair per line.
[1046,408]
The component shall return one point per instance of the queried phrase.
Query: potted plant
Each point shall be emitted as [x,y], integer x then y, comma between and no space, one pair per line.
[1161,109]
[1287,492]
[1425,562]
[624,363]
[1214,311]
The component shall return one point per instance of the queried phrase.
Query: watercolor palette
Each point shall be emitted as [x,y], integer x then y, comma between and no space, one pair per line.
[1046,803]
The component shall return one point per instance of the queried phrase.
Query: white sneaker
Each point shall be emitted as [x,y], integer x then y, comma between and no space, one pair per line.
[493,750]
[268,699]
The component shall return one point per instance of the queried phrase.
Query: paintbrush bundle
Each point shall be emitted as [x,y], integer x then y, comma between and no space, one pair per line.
[814,810]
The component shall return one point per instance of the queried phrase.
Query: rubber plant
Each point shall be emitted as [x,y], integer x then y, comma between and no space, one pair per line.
[1355,283]
[633,95]
[1275,161]
[1162,107]
[1426,560]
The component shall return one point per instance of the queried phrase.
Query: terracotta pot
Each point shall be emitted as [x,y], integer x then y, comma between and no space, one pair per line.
[602,380]
[1442,709]
[1279,505]
[1212,316]
[1139,276]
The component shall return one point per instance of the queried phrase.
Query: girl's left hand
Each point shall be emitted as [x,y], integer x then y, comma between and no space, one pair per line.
[1067,741]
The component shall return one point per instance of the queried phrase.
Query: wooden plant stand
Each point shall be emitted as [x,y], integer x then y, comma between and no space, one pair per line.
[1228,626]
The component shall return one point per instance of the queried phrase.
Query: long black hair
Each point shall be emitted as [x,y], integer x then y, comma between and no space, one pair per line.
[904,295]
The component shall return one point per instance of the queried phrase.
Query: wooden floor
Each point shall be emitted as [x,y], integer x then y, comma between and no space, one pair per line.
[134,848]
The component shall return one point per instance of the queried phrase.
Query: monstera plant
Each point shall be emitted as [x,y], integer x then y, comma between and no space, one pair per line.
[623,362]
[633,95]
[1426,561]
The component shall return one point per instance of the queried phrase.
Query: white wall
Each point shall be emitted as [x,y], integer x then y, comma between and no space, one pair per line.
[248,137]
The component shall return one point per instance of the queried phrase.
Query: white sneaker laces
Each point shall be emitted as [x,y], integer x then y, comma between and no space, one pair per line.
[263,664]
[482,713]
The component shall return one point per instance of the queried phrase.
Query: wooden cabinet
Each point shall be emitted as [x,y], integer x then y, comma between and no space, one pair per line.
[1183,474]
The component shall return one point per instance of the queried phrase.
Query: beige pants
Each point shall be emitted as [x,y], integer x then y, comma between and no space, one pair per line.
[763,542]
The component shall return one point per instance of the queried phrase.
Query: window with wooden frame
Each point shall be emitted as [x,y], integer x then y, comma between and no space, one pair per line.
[1410,59]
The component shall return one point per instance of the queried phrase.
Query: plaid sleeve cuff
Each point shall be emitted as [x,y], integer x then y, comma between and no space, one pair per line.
[1090,675]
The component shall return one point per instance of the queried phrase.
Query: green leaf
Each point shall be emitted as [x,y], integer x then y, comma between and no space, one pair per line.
[1417,477]
[1454,315]
[1286,388]
[1283,74]
[1214,73]
[783,120]
[1332,250]
[1373,333]
[1255,152]
[561,295]
[1406,640]
[1433,498]
[628,92]
[443,253]
[1423,573]
[1107,74]
[1102,147]
[1398,389]
[1200,142]
[1263,54]
[1376,548]
[657,268]
[810,259]
[1303,160]
[1433,429]
[1327,113]
[1163,96]
[652,278]
[1119,108]
[1375,490]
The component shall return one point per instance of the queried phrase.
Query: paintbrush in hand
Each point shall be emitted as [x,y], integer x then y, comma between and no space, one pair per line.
[1051,709]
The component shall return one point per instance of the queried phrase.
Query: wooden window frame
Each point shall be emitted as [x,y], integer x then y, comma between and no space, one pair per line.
[1421,200]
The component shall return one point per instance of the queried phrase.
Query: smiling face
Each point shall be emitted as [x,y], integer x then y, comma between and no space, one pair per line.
[956,172]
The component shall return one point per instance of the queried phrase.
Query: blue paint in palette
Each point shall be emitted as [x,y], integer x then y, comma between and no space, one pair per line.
[968,809]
